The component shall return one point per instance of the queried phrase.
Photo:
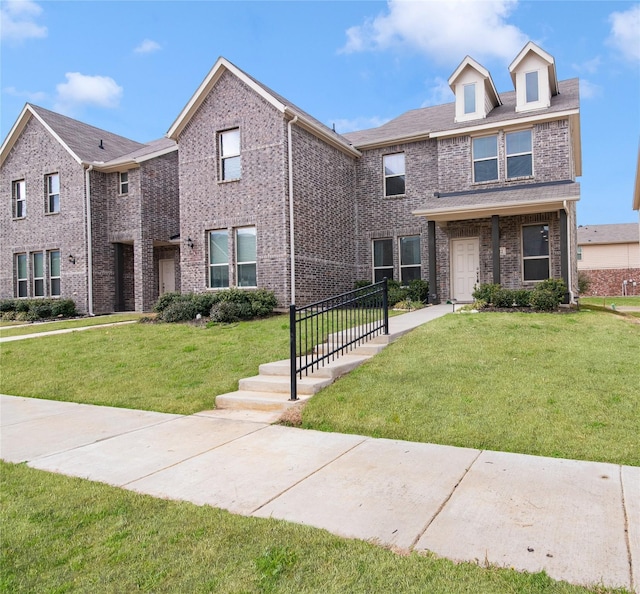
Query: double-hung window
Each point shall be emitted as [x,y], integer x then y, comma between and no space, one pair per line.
[485,158]
[54,273]
[409,259]
[519,154]
[22,278]
[394,177]
[219,259]
[535,252]
[123,182]
[52,190]
[246,257]
[19,199]
[230,155]
[382,259]
[470,98]
[531,86]
[38,274]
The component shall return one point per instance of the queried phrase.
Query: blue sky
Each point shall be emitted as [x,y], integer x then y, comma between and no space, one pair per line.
[130,66]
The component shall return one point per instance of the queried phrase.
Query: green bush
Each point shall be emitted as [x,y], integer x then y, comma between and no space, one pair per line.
[230,311]
[556,285]
[263,302]
[39,310]
[179,310]
[7,305]
[544,300]
[522,297]
[504,298]
[65,308]
[165,300]
[31,310]
[584,282]
[418,290]
[396,293]
[486,292]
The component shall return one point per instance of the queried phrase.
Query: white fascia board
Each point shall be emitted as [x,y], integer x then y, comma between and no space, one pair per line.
[539,117]
[132,163]
[18,127]
[205,87]
[394,140]
[160,153]
[468,61]
[485,210]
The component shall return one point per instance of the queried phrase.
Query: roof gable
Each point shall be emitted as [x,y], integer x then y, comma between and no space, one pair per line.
[85,143]
[472,78]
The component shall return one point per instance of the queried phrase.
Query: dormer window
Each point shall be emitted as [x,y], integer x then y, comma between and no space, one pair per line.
[531,82]
[470,98]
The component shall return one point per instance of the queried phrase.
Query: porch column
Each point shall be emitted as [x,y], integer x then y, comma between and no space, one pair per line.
[495,247]
[564,252]
[433,283]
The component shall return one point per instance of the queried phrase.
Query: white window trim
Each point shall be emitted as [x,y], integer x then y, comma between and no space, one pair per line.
[373,259]
[526,87]
[19,196]
[57,277]
[496,158]
[38,278]
[20,279]
[507,155]
[385,176]
[403,266]
[237,261]
[122,184]
[48,177]
[224,157]
[220,265]
[547,257]
[464,99]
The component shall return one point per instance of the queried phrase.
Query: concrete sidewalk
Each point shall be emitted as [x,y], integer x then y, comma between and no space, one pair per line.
[579,521]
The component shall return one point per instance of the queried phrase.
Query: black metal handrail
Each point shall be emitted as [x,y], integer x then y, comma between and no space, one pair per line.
[352,318]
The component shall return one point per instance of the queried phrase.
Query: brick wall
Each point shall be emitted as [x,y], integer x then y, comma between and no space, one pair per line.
[34,155]
[608,282]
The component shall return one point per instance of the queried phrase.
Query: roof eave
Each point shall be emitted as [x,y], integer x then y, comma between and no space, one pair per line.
[133,163]
[418,136]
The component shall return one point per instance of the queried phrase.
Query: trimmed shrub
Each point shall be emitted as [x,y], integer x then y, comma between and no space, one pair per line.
[522,297]
[39,310]
[31,310]
[544,300]
[263,302]
[230,311]
[486,292]
[584,282]
[504,298]
[7,305]
[65,308]
[556,285]
[165,300]
[396,293]
[179,310]
[418,290]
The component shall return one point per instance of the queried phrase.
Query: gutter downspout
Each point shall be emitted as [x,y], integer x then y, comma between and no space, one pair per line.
[292,243]
[569,243]
[89,240]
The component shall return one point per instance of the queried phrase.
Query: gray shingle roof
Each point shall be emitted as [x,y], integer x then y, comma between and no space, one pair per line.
[441,117]
[620,233]
[155,146]
[84,140]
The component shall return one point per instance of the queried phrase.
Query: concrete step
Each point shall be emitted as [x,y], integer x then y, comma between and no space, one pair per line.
[341,337]
[254,400]
[329,369]
[367,349]
[282,384]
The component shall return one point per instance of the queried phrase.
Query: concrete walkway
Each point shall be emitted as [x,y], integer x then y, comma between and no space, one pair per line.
[62,331]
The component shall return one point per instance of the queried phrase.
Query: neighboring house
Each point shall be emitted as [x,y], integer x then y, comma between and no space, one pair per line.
[479,190]
[88,215]
[609,256]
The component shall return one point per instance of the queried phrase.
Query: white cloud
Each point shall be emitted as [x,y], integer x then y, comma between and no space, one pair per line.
[589,90]
[148,46]
[444,31]
[17,20]
[31,96]
[625,32]
[590,66]
[360,123]
[81,89]
[440,93]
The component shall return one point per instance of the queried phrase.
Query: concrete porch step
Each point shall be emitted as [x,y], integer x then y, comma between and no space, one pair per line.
[328,369]
[282,384]
[254,400]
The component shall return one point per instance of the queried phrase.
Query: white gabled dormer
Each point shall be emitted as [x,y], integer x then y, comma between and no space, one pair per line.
[475,92]
[534,77]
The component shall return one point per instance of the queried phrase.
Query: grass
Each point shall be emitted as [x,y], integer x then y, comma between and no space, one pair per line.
[6,328]
[542,384]
[65,534]
[608,301]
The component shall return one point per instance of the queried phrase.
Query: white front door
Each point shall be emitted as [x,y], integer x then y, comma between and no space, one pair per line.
[465,267]
[167,275]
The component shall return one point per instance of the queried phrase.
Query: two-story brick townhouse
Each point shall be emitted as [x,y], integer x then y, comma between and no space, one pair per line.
[479,190]
[490,177]
[88,215]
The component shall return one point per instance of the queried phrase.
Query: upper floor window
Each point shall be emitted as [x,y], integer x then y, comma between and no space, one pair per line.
[22,279]
[246,257]
[123,182]
[519,154]
[38,274]
[54,273]
[393,174]
[230,154]
[470,98]
[219,259]
[19,199]
[409,259]
[382,259]
[485,158]
[52,189]
[531,86]
[535,252]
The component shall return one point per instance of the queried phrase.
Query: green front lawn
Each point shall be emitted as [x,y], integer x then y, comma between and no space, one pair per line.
[63,534]
[562,385]
[633,301]
[6,328]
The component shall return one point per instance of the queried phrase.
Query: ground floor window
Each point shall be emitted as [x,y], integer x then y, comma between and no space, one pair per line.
[410,265]
[246,257]
[54,273]
[219,259]
[382,259]
[22,279]
[38,274]
[535,252]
